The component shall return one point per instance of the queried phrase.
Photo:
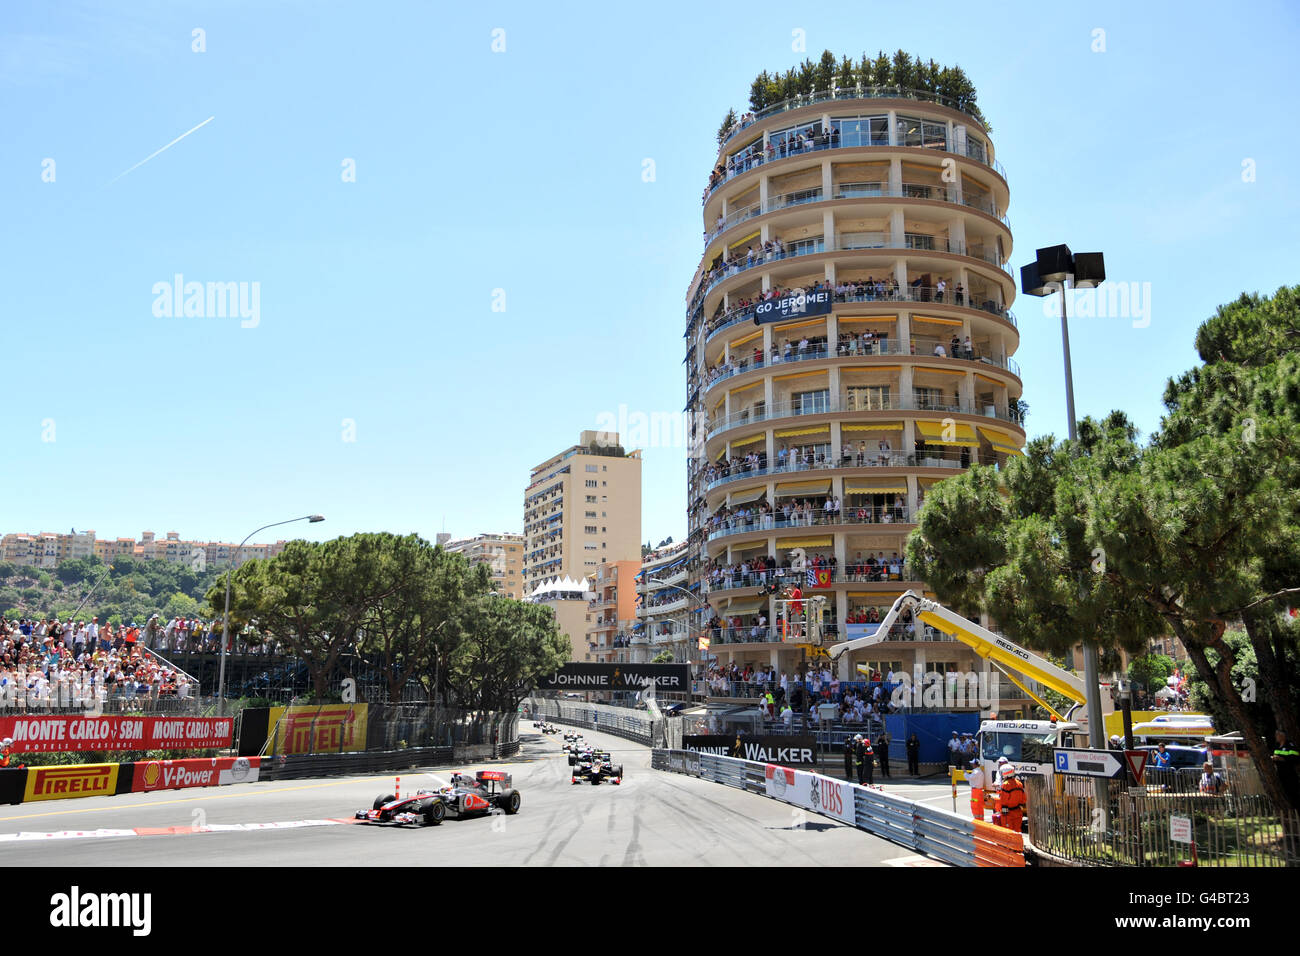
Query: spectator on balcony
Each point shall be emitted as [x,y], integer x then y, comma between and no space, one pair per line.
[939,288]
[939,350]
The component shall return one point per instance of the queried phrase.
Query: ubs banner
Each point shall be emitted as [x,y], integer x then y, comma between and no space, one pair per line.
[666,678]
[793,306]
[769,748]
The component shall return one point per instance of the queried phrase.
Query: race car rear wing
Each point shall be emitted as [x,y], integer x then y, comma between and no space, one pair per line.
[495,776]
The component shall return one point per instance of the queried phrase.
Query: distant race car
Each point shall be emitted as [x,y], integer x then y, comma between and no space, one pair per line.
[549,728]
[466,797]
[596,767]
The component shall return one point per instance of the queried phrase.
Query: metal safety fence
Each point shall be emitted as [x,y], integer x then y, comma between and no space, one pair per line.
[610,720]
[1159,825]
[934,832]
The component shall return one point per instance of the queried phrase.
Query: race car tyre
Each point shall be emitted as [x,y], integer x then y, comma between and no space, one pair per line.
[380,801]
[510,802]
[435,813]
[572,760]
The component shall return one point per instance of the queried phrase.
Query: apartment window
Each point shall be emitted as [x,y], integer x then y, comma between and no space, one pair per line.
[591,483]
[806,403]
[868,397]
[603,484]
[604,468]
[602,529]
[591,467]
[589,529]
[591,499]
[590,514]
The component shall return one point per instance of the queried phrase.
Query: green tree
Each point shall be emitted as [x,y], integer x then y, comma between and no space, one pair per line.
[1149,671]
[824,75]
[845,78]
[508,646]
[728,121]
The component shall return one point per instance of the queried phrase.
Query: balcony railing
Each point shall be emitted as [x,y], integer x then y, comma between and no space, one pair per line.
[879,190]
[732,580]
[848,93]
[819,519]
[924,294]
[796,409]
[851,242]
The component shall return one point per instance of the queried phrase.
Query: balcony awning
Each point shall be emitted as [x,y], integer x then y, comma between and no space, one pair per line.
[866,488]
[804,542]
[745,497]
[796,432]
[1000,441]
[934,434]
[804,488]
[761,436]
[745,607]
[740,242]
[874,427]
[936,321]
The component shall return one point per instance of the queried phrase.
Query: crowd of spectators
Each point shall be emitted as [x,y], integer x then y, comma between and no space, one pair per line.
[802,512]
[45,664]
[789,144]
[856,702]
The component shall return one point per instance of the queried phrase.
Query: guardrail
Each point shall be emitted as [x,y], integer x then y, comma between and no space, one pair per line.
[596,717]
[934,832]
[299,766]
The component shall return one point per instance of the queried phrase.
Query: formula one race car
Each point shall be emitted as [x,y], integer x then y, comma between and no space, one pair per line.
[596,767]
[547,728]
[466,797]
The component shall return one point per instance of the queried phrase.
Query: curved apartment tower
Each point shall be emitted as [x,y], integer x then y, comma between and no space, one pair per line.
[849,342]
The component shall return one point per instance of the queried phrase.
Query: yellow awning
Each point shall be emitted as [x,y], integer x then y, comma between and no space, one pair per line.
[991,381]
[939,371]
[744,607]
[960,434]
[798,325]
[935,321]
[858,487]
[882,368]
[747,338]
[804,542]
[885,597]
[874,427]
[805,488]
[741,443]
[744,497]
[795,432]
[868,318]
[740,242]
[784,378]
[1001,442]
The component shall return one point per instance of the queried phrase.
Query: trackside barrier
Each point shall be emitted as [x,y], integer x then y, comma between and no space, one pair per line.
[28,784]
[298,766]
[609,720]
[997,846]
[935,832]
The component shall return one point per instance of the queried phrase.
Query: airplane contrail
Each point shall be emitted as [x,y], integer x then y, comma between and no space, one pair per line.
[167,147]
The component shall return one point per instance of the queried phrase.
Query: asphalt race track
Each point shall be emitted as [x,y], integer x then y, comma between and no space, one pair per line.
[653,818]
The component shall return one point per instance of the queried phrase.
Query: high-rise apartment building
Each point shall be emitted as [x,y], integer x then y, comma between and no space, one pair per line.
[502,553]
[582,509]
[612,613]
[849,343]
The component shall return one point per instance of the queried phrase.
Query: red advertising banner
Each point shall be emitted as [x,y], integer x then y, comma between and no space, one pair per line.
[203,772]
[33,734]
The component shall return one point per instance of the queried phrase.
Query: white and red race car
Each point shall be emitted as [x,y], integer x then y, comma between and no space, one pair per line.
[466,797]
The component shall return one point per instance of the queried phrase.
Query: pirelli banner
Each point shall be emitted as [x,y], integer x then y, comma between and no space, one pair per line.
[665,678]
[793,306]
[768,748]
[46,733]
[329,728]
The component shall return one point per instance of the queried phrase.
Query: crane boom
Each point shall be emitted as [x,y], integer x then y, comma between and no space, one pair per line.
[1007,655]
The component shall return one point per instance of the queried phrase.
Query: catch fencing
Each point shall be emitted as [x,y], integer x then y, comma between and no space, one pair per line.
[934,832]
[1137,825]
[619,721]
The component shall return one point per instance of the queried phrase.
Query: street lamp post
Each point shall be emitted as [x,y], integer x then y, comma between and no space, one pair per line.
[225,618]
[1047,274]
[676,587]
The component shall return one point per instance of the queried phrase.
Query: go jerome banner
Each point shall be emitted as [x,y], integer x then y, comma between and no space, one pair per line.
[793,306]
[666,678]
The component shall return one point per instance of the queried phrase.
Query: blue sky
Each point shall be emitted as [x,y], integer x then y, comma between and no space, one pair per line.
[522,171]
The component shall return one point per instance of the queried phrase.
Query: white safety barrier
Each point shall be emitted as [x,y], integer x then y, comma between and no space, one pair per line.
[937,833]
